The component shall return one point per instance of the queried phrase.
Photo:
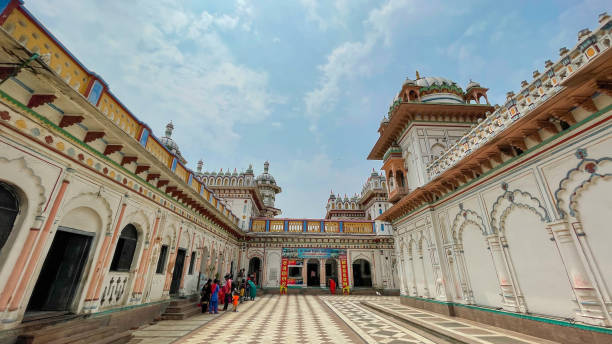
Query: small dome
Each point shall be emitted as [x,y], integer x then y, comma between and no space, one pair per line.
[409,82]
[265,177]
[472,84]
[169,143]
[440,90]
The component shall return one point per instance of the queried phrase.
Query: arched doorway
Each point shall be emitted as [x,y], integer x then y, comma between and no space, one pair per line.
[59,279]
[312,273]
[9,208]
[331,271]
[255,269]
[362,275]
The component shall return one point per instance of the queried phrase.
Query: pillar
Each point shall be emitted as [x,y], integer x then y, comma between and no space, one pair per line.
[143,267]
[37,250]
[426,291]
[187,263]
[322,275]
[510,301]
[591,305]
[107,256]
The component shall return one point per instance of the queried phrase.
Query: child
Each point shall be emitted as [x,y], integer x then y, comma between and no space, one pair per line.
[236,297]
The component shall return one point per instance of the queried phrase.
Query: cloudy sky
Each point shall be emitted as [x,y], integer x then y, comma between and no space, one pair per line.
[303,84]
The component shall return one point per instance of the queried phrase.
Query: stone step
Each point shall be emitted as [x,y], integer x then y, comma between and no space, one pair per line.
[183,314]
[65,329]
[93,336]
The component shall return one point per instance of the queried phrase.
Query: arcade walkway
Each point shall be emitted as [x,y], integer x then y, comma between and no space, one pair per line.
[338,319]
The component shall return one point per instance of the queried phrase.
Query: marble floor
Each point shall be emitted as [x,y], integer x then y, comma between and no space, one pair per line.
[324,319]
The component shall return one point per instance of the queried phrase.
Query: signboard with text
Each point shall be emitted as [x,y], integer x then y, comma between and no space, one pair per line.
[317,253]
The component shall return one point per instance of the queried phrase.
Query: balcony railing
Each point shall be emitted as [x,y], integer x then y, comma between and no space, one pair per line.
[397,193]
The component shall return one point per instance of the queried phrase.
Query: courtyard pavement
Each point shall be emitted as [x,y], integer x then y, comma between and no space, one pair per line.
[325,319]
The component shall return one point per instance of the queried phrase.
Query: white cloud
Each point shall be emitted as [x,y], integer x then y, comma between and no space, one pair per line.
[352,60]
[165,63]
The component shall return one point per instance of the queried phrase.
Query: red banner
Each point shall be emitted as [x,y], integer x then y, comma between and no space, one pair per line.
[344,272]
[284,273]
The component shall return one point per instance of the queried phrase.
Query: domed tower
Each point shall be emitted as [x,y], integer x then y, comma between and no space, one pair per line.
[169,143]
[267,186]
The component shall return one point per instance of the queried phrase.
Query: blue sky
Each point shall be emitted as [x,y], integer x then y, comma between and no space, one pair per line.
[303,84]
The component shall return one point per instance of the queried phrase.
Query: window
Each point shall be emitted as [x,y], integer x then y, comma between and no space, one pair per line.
[124,253]
[9,208]
[161,262]
[192,262]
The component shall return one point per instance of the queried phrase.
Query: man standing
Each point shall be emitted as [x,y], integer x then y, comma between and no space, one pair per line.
[227,288]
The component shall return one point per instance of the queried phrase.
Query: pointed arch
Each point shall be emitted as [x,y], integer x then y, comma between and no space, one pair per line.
[586,172]
[464,217]
[510,200]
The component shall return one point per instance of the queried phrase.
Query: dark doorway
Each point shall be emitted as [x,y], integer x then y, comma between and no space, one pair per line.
[362,276]
[9,208]
[178,271]
[312,271]
[255,269]
[331,271]
[61,272]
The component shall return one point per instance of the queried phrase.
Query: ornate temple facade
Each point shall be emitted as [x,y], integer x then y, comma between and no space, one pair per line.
[98,215]
[499,212]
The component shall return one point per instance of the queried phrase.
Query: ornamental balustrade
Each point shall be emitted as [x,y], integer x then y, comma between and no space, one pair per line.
[311,226]
[543,87]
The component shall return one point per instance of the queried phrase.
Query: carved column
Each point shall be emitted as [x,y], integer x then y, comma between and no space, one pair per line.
[520,299]
[464,281]
[590,303]
[510,302]
[323,279]
[426,292]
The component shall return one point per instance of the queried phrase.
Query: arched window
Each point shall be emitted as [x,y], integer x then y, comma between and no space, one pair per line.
[124,253]
[9,208]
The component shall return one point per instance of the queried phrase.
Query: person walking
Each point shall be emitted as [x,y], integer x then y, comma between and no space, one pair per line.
[332,286]
[253,290]
[227,292]
[214,298]
[247,289]
[205,295]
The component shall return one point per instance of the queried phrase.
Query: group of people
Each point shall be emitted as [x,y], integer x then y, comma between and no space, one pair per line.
[214,293]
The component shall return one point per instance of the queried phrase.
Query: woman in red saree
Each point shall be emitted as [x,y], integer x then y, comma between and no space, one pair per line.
[332,286]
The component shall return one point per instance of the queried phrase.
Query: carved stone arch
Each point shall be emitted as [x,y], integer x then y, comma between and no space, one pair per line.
[96,202]
[361,255]
[510,200]
[139,219]
[463,218]
[185,238]
[586,172]
[31,192]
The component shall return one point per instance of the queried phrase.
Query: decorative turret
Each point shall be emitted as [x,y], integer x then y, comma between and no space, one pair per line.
[267,186]
[473,91]
[199,166]
[169,143]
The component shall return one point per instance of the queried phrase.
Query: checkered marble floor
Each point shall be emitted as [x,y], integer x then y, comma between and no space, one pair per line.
[341,319]
[277,319]
[370,326]
[472,331]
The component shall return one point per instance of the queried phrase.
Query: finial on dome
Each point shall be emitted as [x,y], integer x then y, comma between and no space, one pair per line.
[417,75]
[169,128]
[200,164]
[266,166]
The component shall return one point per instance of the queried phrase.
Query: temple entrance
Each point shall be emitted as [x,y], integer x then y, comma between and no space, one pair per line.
[61,272]
[178,271]
[331,271]
[255,269]
[362,276]
[312,273]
